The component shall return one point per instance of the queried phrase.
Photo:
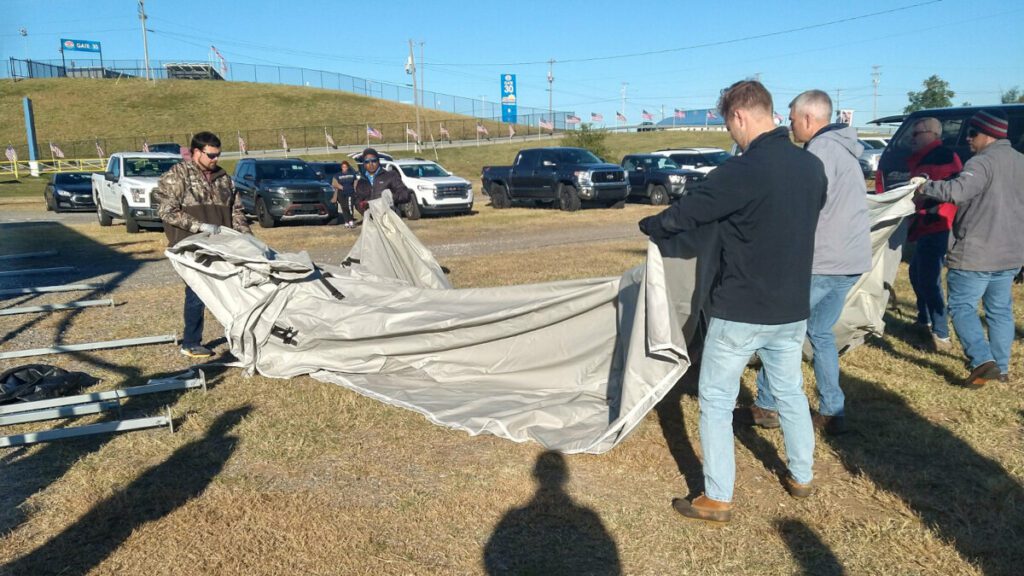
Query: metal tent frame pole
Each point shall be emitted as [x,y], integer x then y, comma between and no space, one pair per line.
[45,289]
[87,430]
[42,254]
[184,381]
[49,307]
[54,270]
[90,346]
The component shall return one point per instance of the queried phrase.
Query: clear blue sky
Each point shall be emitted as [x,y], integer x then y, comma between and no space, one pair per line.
[689,50]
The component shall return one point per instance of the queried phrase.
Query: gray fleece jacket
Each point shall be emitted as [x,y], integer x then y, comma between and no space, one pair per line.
[842,243]
[988,235]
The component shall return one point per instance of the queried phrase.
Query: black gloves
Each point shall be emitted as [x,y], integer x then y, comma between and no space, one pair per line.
[651,227]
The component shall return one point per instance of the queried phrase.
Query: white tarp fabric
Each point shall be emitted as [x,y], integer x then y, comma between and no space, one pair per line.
[574,365]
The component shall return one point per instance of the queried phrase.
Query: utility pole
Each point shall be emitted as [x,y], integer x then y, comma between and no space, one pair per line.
[145,41]
[423,91]
[410,68]
[551,91]
[875,75]
[839,92]
[624,84]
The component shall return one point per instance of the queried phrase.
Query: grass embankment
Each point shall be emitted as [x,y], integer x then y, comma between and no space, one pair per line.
[297,477]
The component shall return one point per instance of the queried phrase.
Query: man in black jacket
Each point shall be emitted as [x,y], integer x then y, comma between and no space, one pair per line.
[374,180]
[766,203]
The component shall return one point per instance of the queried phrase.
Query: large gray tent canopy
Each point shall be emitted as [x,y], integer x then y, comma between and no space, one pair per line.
[574,365]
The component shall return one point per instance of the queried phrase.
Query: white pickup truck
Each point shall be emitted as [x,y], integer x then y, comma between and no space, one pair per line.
[125,190]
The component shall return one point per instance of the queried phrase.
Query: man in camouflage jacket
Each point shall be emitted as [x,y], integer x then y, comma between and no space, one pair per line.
[192,197]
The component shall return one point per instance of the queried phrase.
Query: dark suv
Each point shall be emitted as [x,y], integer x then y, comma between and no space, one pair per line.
[892,166]
[282,191]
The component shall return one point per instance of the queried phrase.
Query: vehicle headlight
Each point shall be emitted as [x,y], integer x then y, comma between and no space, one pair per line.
[138,195]
[63,193]
[677,178]
[583,177]
[426,187]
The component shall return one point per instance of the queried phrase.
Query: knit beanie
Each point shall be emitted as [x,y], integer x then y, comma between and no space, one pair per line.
[991,122]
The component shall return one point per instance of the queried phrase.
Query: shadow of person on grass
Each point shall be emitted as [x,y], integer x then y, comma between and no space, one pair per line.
[551,534]
[966,498]
[813,555]
[156,493]
[673,429]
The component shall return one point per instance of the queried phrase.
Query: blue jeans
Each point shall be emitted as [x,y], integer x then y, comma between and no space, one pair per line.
[194,310]
[993,289]
[828,293]
[727,349]
[926,278]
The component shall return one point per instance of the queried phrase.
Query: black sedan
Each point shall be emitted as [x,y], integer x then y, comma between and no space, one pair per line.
[69,191]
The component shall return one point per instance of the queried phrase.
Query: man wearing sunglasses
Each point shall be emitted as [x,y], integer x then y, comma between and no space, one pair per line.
[374,180]
[987,246]
[198,196]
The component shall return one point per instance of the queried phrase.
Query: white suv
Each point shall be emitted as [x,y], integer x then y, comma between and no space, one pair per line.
[702,160]
[437,190]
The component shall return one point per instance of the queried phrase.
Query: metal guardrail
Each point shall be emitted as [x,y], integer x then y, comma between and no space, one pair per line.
[19,167]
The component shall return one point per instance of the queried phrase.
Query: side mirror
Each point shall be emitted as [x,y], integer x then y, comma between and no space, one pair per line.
[319,175]
[110,177]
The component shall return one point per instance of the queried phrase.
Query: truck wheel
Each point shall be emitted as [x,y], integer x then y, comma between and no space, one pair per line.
[130,224]
[264,216]
[658,196]
[411,210]
[499,197]
[101,214]
[568,198]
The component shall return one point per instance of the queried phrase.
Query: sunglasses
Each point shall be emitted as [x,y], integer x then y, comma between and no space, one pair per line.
[213,156]
[972,133]
[371,161]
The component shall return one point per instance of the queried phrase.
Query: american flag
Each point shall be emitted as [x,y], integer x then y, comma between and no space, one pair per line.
[56,151]
[481,129]
[646,115]
[330,140]
[145,145]
[620,117]
[223,62]
[284,143]
[444,131]
[511,131]
[711,115]
[242,146]
[572,119]
[595,117]
[99,150]
[545,124]
[374,133]
[11,153]
[412,133]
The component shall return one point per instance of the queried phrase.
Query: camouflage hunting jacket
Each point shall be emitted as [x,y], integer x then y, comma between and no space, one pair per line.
[185,199]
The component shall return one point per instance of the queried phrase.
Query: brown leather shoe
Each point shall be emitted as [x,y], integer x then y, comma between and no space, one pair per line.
[764,418]
[982,375]
[796,489]
[831,425]
[1004,378]
[704,508]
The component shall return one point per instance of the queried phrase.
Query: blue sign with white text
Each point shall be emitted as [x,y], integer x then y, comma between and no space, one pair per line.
[508,98]
[79,45]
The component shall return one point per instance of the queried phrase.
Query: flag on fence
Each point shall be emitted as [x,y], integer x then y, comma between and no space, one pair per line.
[481,129]
[595,117]
[56,151]
[680,113]
[330,140]
[145,145]
[620,117]
[646,115]
[99,149]
[444,132]
[11,153]
[711,115]
[572,119]
[411,132]
[374,133]
[511,131]
[223,62]
[284,143]
[546,125]
[242,146]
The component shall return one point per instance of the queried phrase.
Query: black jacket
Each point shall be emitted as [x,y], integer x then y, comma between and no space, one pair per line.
[766,203]
[384,180]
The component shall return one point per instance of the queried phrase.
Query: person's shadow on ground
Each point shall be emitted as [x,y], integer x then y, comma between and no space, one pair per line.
[551,534]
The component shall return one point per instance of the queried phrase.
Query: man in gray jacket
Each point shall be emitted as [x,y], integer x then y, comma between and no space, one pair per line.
[986,248]
[842,252]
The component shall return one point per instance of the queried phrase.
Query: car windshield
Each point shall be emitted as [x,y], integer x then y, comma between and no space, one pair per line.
[424,171]
[72,178]
[572,156]
[717,158]
[329,169]
[148,166]
[285,171]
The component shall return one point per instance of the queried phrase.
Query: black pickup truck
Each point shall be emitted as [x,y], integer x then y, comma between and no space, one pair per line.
[657,179]
[566,177]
